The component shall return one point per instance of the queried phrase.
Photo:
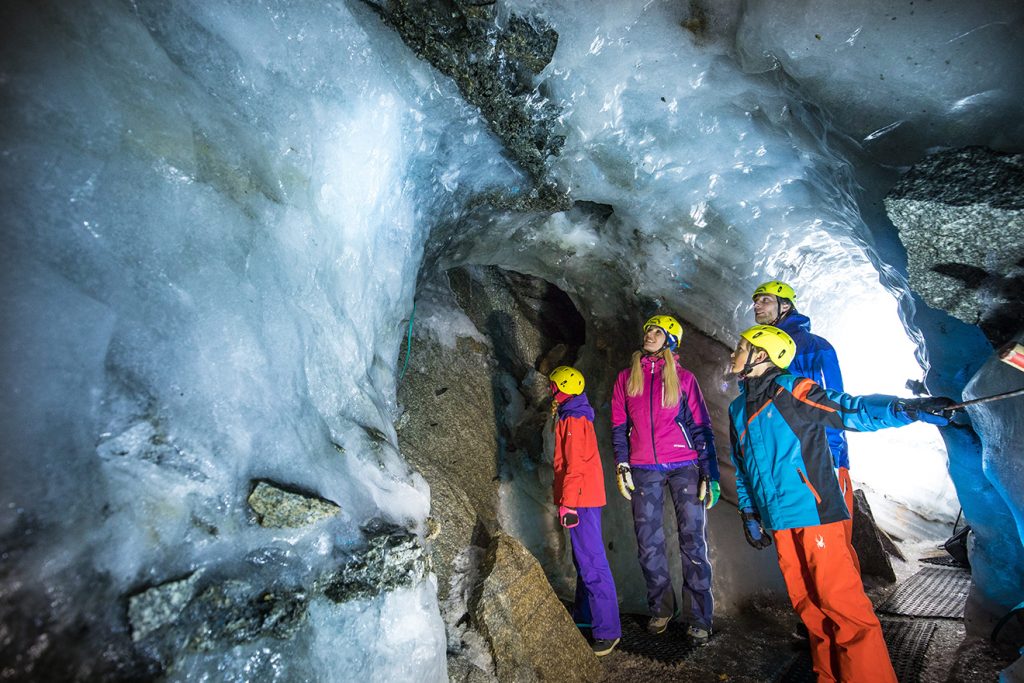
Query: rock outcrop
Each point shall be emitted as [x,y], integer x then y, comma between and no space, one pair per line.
[872,544]
[473,420]
[219,608]
[494,68]
[960,215]
[529,630]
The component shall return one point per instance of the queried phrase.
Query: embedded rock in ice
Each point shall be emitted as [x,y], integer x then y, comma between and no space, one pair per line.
[529,631]
[493,67]
[207,614]
[276,507]
[160,605]
[212,612]
[394,558]
[960,214]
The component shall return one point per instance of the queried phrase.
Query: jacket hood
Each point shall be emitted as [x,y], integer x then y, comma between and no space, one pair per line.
[577,406]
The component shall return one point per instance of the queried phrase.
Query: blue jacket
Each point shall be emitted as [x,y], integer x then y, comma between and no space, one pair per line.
[816,360]
[780,450]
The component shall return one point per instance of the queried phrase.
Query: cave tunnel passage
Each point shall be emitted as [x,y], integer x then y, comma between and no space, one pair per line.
[476,394]
[475,424]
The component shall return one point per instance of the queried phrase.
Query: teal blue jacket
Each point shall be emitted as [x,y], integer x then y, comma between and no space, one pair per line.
[784,468]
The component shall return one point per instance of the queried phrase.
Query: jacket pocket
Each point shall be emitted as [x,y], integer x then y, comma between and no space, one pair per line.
[807,483]
[686,435]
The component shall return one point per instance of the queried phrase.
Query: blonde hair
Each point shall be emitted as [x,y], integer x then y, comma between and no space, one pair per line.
[669,378]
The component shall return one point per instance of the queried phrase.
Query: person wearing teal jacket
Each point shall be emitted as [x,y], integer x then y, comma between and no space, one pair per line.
[785,482]
[785,415]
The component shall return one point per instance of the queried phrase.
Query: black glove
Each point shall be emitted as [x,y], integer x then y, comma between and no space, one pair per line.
[755,533]
[931,409]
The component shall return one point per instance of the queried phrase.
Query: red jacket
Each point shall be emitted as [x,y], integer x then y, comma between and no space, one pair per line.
[579,479]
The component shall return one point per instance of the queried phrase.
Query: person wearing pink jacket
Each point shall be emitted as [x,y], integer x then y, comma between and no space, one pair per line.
[662,436]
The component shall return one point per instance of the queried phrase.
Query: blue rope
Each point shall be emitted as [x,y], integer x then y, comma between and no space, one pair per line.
[408,343]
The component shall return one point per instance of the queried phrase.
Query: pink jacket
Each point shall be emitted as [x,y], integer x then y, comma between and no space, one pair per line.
[646,434]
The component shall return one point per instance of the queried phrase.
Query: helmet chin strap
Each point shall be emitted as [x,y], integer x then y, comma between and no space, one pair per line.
[748,366]
[655,353]
[782,314]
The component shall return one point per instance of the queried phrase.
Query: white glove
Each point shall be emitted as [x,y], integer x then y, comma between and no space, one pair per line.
[625,480]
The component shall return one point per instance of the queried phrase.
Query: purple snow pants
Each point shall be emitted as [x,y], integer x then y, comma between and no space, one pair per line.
[648,504]
[596,601]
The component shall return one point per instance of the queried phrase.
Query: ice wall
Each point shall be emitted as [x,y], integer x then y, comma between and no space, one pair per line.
[213,220]
[1000,576]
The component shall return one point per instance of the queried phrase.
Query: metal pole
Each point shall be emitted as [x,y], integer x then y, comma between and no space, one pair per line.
[986,399]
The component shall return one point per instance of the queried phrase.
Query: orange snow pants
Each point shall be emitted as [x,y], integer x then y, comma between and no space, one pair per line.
[846,485]
[826,591]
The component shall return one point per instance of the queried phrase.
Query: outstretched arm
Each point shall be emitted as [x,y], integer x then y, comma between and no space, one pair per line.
[808,402]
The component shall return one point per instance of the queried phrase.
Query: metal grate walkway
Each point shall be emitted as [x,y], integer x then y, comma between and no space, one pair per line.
[668,648]
[907,642]
[932,592]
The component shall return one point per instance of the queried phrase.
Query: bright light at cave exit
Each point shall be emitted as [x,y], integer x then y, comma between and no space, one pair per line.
[876,356]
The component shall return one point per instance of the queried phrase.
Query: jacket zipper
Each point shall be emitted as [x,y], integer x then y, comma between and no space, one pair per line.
[654,448]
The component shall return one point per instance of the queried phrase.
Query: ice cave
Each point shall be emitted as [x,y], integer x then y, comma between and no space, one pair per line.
[283,280]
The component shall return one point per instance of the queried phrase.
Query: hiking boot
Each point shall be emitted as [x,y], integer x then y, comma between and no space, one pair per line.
[602,647]
[698,635]
[657,625]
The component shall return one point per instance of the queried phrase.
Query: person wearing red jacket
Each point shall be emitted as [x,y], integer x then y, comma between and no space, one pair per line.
[579,493]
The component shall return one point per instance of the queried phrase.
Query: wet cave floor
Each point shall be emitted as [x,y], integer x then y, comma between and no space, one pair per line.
[760,644]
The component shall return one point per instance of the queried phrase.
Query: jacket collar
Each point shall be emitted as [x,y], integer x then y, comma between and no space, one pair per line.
[757,388]
[646,361]
[795,321]
[576,406]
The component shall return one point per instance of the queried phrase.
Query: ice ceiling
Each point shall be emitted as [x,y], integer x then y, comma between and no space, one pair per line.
[215,216]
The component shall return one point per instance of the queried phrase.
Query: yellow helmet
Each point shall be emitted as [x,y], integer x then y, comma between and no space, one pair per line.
[670,326]
[776,288]
[780,346]
[569,380]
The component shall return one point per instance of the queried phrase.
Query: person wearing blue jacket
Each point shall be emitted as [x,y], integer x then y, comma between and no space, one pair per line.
[785,482]
[815,359]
